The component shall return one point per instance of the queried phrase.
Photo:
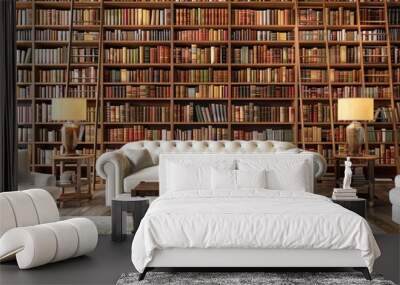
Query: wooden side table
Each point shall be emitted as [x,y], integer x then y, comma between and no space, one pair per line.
[121,205]
[146,189]
[77,161]
[370,160]
[357,205]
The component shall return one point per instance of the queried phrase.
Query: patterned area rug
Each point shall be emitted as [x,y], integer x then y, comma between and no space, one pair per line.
[244,278]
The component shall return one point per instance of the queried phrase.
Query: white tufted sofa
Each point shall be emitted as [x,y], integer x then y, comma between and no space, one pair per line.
[117,170]
[31,232]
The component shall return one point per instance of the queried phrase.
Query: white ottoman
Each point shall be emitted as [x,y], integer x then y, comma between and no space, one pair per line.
[394,197]
[33,234]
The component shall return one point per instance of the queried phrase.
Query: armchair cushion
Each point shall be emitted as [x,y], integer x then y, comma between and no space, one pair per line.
[140,158]
[149,174]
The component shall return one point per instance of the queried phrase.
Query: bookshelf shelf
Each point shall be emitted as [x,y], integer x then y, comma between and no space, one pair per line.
[248,76]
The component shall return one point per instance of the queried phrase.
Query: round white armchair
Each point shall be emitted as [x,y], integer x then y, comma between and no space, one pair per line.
[31,233]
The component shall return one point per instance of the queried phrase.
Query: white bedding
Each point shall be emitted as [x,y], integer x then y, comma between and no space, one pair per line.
[252,218]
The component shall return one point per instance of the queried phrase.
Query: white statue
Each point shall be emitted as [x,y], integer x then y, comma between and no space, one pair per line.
[347,174]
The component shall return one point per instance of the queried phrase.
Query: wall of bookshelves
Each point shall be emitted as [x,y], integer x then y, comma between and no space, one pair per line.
[212,70]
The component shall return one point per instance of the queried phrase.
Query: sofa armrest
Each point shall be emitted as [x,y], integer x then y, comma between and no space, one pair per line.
[43,179]
[113,166]
[397,181]
[320,164]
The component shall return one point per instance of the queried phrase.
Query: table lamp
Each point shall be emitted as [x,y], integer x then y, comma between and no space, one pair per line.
[70,110]
[355,110]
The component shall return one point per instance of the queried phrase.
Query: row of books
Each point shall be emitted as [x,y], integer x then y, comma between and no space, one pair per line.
[344,54]
[84,55]
[45,156]
[377,92]
[24,76]
[313,75]
[318,112]
[379,135]
[372,16]
[386,154]
[262,54]
[351,92]
[374,75]
[386,114]
[342,35]
[270,91]
[43,112]
[23,56]
[265,75]
[24,134]
[263,17]
[312,55]
[56,17]
[137,17]
[201,75]
[141,54]
[138,35]
[23,92]
[200,113]
[51,75]
[51,55]
[137,75]
[136,133]
[24,35]
[136,113]
[395,54]
[309,16]
[312,35]
[394,34]
[373,35]
[141,91]
[201,91]
[394,16]
[267,134]
[260,35]
[309,92]
[57,91]
[314,134]
[201,16]
[202,34]
[353,75]
[24,114]
[203,133]
[341,16]
[48,135]
[63,35]
[257,113]
[375,55]
[195,54]
[84,75]
[23,17]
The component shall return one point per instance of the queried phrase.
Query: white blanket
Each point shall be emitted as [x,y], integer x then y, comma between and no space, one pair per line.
[250,219]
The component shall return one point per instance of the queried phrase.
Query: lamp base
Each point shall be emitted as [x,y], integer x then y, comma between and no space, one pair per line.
[69,137]
[355,136]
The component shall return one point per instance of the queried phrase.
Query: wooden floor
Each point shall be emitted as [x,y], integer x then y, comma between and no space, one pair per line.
[379,215]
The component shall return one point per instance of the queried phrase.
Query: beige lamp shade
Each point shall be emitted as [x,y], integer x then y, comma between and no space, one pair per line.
[355,109]
[68,109]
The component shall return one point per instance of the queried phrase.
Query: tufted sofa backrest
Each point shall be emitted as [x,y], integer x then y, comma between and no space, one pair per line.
[26,208]
[237,146]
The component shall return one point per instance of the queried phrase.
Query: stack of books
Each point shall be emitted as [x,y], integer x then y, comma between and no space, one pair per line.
[344,194]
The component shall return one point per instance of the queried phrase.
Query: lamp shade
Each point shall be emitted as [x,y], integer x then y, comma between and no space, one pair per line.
[355,109]
[68,109]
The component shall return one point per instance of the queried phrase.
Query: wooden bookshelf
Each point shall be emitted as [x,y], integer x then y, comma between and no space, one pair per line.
[150,68]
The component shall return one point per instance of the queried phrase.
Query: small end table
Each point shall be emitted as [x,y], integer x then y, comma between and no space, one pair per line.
[78,161]
[121,205]
[370,160]
[146,189]
[357,205]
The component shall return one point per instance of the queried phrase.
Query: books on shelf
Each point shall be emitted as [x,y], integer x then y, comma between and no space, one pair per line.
[353,75]
[375,55]
[263,17]
[312,35]
[344,54]
[344,194]
[136,133]
[201,16]
[24,75]
[373,35]
[310,16]
[51,75]
[24,35]
[342,35]
[386,154]
[84,55]
[261,35]
[43,112]
[24,114]
[49,135]
[264,75]
[24,56]
[262,54]
[137,17]
[379,135]
[196,54]
[141,54]
[201,75]
[136,113]
[258,113]
[341,16]
[267,134]
[313,75]
[136,75]
[51,55]
[202,34]
[138,91]
[25,134]
[23,92]
[23,17]
[205,113]
[314,92]
[83,75]
[318,112]
[385,114]
[203,133]
[312,55]
[376,75]
[372,16]
[201,91]
[138,35]
[257,91]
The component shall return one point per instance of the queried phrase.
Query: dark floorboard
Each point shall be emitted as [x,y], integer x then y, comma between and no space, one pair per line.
[110,260]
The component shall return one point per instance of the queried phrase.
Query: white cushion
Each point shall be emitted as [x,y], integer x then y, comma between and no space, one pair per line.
[149,174]
[223,179]
[140,158]
[251,178]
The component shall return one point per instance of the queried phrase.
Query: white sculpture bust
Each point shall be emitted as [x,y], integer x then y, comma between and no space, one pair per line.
[347,174]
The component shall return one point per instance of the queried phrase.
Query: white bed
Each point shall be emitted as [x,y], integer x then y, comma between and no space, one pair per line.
[249,227]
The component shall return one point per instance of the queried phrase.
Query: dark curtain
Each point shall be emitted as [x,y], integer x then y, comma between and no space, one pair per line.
[8,125]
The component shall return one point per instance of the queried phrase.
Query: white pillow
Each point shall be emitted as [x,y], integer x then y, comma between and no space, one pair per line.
[251,179]
[227,179]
